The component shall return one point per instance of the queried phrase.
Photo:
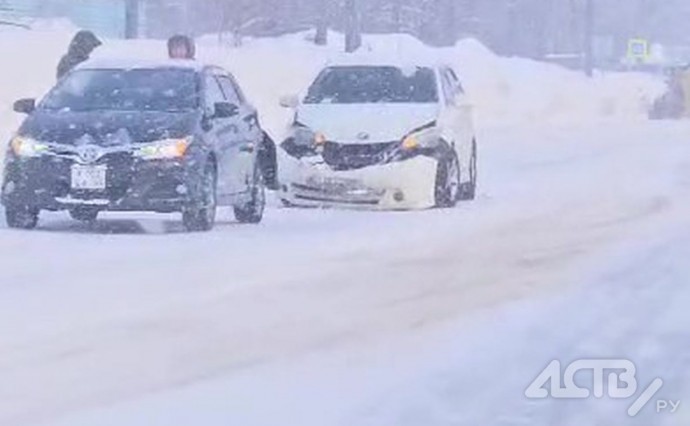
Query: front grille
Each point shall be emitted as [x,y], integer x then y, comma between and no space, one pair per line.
[357,156]
[118,180]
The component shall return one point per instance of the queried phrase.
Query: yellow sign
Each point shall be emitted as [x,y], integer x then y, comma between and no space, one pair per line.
[638,48]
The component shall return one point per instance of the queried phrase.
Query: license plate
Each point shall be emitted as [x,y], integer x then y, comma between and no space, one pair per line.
[335,186]
[88,177]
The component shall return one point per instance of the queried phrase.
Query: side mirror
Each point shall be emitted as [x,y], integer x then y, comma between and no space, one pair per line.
[225,110]
[289,101]
[25,106]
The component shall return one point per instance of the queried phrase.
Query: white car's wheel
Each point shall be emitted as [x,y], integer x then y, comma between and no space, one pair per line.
[447,188]
[468,190]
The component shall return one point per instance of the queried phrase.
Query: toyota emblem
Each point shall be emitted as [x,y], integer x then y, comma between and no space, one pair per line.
[363,136]
[89,154]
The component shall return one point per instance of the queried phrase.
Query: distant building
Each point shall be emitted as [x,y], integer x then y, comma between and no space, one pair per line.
[104,17]
[163,18]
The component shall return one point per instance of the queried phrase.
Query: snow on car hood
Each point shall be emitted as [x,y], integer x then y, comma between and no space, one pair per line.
[68,128]
[366,123]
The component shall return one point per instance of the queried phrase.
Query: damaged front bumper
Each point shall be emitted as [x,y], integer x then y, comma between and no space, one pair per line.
[399,185]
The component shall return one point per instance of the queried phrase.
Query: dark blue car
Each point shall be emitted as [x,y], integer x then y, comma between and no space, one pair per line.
[112,136]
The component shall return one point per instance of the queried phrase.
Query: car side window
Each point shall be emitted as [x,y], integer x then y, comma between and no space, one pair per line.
[230,90]
[214,93]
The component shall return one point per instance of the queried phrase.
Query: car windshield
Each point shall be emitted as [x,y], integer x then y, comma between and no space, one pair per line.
[366,84]
[172,90]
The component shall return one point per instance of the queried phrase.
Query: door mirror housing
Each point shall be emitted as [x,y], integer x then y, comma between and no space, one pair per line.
[225,110]
[289,101]
[25,106]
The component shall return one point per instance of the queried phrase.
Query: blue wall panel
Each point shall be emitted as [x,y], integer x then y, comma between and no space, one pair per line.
[105,17]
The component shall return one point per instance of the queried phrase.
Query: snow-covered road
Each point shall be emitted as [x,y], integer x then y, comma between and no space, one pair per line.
[577,246]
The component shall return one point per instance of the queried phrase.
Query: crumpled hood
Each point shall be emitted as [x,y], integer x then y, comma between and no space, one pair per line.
[106,128]
[366,123]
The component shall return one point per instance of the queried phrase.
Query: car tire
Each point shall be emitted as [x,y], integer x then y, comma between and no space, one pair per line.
[447,186]
[268,162]
[201,215]
[86,215]
[21,217]
[253,212]
[468,190]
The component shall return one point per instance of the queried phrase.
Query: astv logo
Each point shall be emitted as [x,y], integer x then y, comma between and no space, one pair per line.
[620,376]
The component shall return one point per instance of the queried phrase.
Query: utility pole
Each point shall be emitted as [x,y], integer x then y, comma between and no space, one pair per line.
[353,32]
[397,15]
[132,19]
[511,39]
[322,21]
[589,38]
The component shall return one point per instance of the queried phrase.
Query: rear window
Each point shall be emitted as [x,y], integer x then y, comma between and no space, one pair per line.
[366,84]
[166,89]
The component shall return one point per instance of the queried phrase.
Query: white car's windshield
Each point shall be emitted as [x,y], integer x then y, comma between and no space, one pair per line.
[366,84]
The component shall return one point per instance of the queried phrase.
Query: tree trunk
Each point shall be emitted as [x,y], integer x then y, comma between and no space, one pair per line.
[589,38]
[353,35]
[132,19]
[321,38]
[397,16]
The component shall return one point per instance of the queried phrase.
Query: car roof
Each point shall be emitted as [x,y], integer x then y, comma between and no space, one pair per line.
[132,64]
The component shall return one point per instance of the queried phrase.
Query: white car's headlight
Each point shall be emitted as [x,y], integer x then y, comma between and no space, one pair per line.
[424,137]
[163,149]
[27,147]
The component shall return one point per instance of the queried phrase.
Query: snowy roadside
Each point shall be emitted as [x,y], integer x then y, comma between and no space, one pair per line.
[468,373]
[251,309]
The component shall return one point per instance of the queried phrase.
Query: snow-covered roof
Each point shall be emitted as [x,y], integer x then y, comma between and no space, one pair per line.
[385,60]
[113,63]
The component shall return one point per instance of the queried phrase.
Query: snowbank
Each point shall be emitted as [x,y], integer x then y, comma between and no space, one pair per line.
[502,89]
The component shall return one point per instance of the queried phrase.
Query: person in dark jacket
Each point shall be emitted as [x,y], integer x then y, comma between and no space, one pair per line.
[181,47]
[80,49]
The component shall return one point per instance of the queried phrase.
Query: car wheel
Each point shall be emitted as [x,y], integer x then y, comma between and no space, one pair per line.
[87,215]
[468,190]
[268,163]
[447,181]
[201,216]
[253,212]
[21,217]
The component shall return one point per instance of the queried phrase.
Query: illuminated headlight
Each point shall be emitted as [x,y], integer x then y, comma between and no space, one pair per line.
[163,149]
[424,137]
[27,147]
[303,135]
[410,142]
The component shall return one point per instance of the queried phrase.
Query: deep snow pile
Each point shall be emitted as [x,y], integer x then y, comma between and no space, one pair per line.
[502,89]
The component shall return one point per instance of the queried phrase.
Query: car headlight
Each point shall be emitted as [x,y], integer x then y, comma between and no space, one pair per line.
[410,142]
[163,149]
[27,147]
[423,137]
[303,135]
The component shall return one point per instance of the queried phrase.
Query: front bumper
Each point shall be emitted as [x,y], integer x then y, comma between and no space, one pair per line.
[131,184]
[401,185]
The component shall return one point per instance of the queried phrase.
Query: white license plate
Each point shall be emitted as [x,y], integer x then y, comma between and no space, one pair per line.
[88,177]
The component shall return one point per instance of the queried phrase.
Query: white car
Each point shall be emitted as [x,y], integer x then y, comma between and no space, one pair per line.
[382,136]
